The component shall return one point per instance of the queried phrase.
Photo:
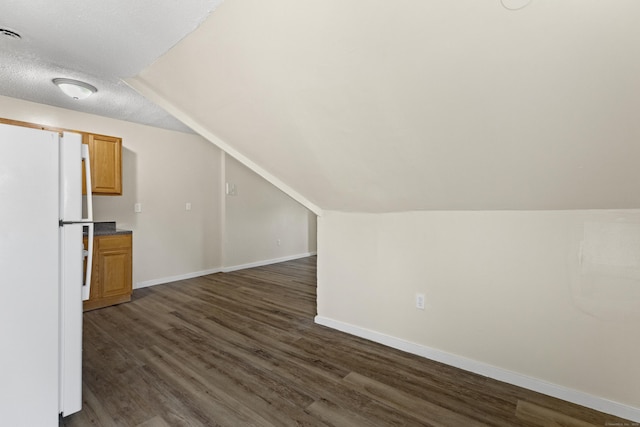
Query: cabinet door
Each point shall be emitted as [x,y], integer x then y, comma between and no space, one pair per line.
[111,275]
[105,153]
[114,258]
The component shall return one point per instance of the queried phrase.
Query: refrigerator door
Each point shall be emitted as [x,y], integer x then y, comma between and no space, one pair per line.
[72,155]
[71,319]
[71,277]
[29,307]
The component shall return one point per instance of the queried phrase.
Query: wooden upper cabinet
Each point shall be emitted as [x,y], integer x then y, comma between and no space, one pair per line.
[105,154]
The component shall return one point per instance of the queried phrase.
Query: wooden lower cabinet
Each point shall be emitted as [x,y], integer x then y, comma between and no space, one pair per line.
[111,281]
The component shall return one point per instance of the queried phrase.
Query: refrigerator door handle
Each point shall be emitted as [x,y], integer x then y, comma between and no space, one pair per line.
[86,287]
[87,176]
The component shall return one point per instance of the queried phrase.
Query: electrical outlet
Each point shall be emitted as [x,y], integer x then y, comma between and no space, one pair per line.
[187,206]
[137,208]
[420,301]
[278,242]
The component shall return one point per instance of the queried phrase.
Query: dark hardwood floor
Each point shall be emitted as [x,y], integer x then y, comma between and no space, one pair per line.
[241,348]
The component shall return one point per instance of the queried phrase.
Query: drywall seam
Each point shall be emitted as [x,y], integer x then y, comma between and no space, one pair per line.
[147,91]
[266,262]
[550,389]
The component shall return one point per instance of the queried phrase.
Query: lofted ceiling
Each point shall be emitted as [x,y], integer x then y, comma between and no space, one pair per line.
[370,106]
[384,106]
[98,42]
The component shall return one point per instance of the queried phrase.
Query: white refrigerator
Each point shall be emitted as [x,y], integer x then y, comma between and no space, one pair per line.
[41,274]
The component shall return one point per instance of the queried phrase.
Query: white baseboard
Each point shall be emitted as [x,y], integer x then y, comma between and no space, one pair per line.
[163,280]
[550,389]
[170,279]
[266,262]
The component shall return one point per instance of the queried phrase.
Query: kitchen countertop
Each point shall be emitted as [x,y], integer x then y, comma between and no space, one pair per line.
[111,232]
[108,228]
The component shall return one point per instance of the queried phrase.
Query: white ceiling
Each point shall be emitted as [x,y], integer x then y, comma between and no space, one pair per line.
[96,41]
[384,106]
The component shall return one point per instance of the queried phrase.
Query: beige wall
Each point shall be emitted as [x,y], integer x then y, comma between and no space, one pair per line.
[262,222]
[163,171]
[548,295]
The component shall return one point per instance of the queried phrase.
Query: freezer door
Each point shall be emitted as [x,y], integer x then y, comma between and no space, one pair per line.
[29,306]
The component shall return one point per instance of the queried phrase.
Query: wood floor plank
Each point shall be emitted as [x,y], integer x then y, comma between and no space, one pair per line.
[540,416]
[214,401]
[92,414]
[407,403]
[224,384]
[242,348]
[334,415]
[285,372]
[436,385]
[154,422]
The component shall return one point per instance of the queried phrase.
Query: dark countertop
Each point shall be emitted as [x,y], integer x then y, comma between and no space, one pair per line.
[111,232]
[107,228]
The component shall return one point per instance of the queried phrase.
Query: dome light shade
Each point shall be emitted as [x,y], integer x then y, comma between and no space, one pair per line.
[75,89]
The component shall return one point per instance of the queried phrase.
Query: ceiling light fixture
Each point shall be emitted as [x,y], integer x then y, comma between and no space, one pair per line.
[75,88]
[10,34]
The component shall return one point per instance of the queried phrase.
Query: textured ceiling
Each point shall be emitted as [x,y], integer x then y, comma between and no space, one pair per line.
[409,105]
[99,42]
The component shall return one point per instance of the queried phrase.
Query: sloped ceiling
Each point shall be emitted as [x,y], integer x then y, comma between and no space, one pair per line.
[384,106]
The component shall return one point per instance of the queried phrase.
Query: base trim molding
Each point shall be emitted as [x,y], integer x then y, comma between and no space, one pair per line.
[163,280]
[266,262]
[540,386]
